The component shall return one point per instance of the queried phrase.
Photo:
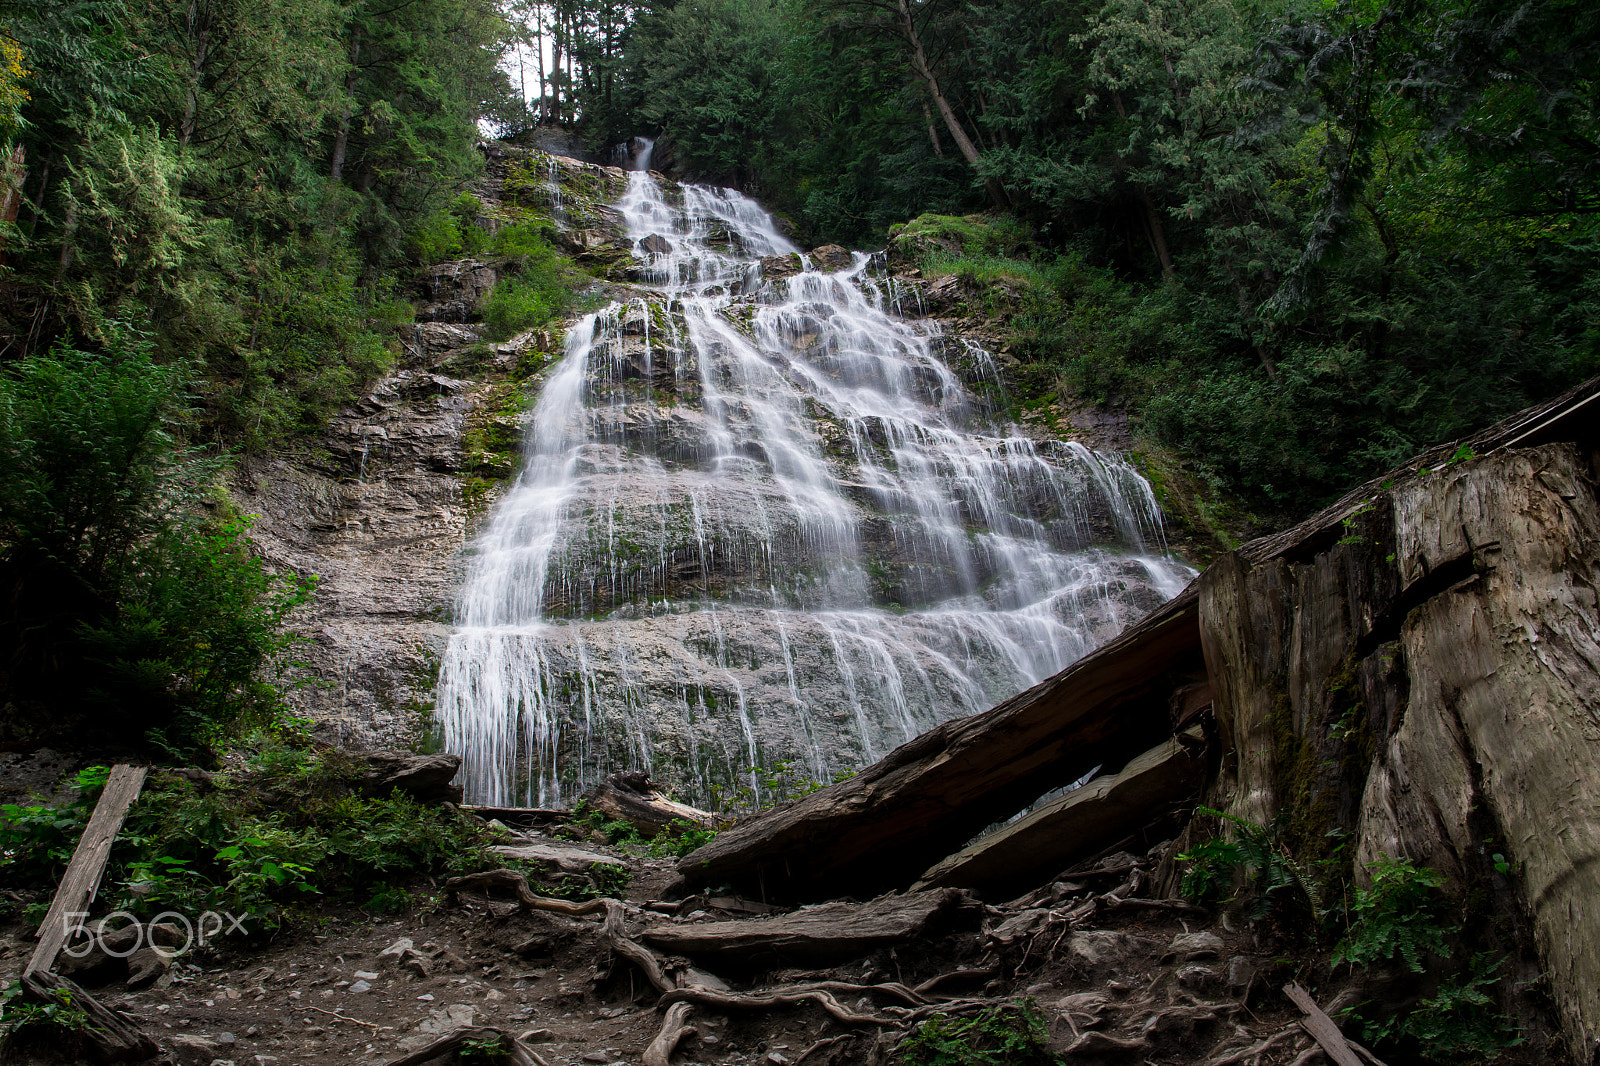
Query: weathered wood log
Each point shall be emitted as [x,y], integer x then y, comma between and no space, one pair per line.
[1321,1027]
[825,933]
[516,1052]
[1434,663]
[563,857]
[82,879]
[1044,841]
[515,883]
[110,1035]
[879,829]
[628,797]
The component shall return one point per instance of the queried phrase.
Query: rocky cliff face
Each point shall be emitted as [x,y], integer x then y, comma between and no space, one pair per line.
[746,565]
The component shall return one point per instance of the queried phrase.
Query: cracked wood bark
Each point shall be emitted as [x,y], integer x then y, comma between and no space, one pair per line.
[628,797]
[1104,810]
[826,933]
[1449,623]
[880,829]
[82,879]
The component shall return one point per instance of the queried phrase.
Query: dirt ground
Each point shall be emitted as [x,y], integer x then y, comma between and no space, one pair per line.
[1112,981]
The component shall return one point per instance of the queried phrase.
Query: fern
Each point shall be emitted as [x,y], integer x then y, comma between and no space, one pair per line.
[1398,917]
[1268,868]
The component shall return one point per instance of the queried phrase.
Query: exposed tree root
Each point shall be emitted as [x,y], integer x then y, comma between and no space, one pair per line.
[673,1030]
[515,883]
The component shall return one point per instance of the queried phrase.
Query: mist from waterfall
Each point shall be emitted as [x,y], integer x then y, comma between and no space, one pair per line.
[768,521]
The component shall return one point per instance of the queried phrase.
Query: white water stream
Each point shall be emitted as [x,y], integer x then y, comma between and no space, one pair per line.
[765,522]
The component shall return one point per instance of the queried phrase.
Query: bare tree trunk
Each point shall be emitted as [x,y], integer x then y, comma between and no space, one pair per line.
[341,142]
[933,131]
[919,63]
[1158,236]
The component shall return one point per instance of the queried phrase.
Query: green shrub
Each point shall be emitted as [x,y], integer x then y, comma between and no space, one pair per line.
[1254,854]
[1012,1034]
[1398,917]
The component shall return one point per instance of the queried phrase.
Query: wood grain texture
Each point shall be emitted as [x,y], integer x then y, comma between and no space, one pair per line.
[824,933]
[82,879]
[1103,811]
[880,829]
[1321,1027]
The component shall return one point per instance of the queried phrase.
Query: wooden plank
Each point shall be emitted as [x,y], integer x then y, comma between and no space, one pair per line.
[878,830]
[825,933]
[1041,843]
[1321,1027]
[82,879]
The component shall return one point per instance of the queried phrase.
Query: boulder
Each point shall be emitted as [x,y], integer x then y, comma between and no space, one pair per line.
[832,257]
[655,244]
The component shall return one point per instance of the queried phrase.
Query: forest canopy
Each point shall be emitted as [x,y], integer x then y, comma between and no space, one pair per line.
[1299,240]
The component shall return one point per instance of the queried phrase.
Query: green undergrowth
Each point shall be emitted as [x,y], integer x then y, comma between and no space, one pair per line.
[1011,1034]
[1398,922]
[275,838]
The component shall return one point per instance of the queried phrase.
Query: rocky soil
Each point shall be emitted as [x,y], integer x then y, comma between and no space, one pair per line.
[1114,977]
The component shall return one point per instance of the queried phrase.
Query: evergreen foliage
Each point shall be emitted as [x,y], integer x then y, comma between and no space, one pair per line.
[126,614]
[1299,241]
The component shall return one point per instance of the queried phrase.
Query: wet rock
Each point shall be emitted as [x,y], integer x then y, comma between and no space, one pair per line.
[1241,972]
[832,257]
[456,291]
[655,244]
[778,267]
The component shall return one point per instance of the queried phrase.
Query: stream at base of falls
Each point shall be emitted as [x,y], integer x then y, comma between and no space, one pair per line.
[769,522]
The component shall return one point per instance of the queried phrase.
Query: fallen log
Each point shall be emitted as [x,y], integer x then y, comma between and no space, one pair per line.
[879,829]
[563,857]
[628,797]
[513,1050]
[82,879]
[110,1035]
[825,933]
[1041,843]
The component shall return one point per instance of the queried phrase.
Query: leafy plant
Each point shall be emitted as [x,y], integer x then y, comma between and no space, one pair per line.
[1011,1034]
[1268,870]
[57,1021]
[1397,917]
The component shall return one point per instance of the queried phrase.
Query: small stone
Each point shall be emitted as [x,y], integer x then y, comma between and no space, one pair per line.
[426,997]
[266,1060]
[227,1038]
[398,948]
[711,1040]
[777,1058]
[365,975]
[360,986]
[221,1062]
[1241,971]
[253,1031]
[595,1056]
[1195,946]
[1197,977]
[191,1050]
[536,1036]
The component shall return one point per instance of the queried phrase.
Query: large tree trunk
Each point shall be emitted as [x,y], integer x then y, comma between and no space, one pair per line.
[919,63]
[885,826]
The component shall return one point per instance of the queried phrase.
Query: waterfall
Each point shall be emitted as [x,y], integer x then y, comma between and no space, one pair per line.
[767,521]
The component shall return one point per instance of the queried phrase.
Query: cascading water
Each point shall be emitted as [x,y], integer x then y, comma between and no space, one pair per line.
[769,521]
